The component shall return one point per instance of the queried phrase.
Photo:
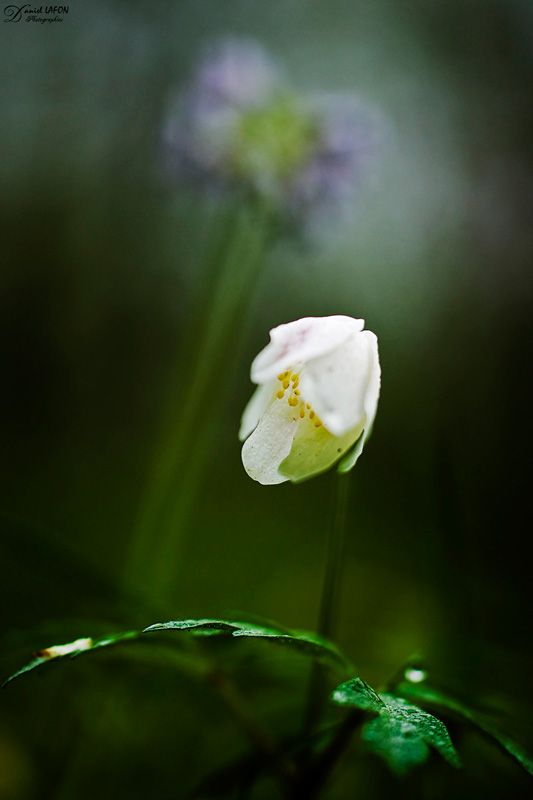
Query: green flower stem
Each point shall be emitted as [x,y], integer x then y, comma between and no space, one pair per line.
[329,598]
[201,380]
[335,546]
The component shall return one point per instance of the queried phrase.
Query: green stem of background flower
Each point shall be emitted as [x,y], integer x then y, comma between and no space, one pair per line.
[196,395]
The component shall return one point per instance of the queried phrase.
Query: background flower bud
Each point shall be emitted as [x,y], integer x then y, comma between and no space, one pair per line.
[237,123]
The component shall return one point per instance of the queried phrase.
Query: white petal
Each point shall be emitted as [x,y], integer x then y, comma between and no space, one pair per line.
[270,443]
[255,408]
[371,404]
[302,340]
[315,450]
[374,384]
[336,384]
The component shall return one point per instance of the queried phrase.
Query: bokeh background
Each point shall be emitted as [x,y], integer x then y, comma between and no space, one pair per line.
[102,257]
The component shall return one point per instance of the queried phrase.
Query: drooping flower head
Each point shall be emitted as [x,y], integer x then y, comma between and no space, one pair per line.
[237,123]
[318,388]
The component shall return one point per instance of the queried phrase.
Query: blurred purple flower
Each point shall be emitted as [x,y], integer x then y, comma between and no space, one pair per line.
[347,143]
[233,77]
[235,72]
[237,124]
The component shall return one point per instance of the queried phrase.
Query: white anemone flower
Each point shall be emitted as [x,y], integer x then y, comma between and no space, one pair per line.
[318,388]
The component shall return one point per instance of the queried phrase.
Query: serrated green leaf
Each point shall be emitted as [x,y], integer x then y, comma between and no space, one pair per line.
[397,741]
[72,650]
[477,718]
[217,625]
[402,732]
[246,618]
[308,644]
[321,650]
[358,694]
[37,662]
[430,729]
[115,638]
[508,744]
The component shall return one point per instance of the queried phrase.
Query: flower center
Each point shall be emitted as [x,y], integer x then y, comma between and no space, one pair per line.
[275,140]
[290,382]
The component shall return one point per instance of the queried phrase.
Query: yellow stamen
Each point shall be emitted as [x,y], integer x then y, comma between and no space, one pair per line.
[311,414]
[293,401]
[285,383]
[308,405]
[297,391]
[282,376]
[280,394]
[302,412]
[317,423]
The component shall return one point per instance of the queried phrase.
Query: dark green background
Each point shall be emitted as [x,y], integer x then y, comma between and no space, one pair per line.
[101,256]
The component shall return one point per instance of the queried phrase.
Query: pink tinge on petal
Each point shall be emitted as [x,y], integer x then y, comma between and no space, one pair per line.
[300,341]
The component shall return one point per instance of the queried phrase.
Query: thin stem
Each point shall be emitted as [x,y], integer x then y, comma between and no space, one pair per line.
[187,430]
[329,598]
[332,575]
